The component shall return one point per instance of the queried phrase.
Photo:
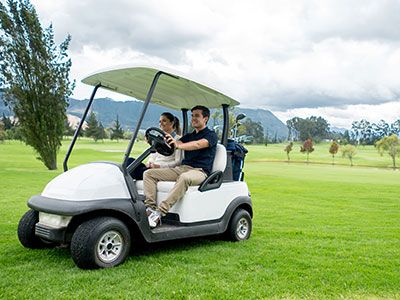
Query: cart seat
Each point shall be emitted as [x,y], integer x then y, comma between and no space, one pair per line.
[164,187]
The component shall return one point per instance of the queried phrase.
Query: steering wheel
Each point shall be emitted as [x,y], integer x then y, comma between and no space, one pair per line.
[155,137]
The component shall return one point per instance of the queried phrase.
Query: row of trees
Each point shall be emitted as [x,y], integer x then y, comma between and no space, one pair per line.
[362,132]
[96,130]
[366,133]
[347,151]
[389,144]
[11,130]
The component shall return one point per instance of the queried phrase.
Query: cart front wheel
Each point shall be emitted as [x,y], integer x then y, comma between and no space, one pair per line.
[102,242]
[26,231]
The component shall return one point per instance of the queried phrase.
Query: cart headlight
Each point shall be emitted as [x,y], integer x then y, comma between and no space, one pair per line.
[54,220]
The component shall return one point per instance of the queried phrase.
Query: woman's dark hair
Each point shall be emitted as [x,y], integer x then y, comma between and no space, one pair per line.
[174,120]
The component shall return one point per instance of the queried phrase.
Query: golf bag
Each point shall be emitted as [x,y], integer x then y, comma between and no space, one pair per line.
[238,154]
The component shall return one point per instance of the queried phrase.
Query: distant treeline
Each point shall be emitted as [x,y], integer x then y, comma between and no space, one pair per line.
[361,132]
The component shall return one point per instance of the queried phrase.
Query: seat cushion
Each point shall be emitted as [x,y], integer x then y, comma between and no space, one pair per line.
[220,159]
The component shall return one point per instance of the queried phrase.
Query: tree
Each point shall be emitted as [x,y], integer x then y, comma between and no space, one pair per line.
[395,127]
[275,139]
[379,130]
[391,144]
[266,139]
[95,129]
[117,132]
[92,128]
[216,117]
[34,75]
[346,139]
[8,124]
[288,149]
[363,132]
[349,151]
[292,132]
[101,133]
[333,149]
[68,130]
[14,133]
[2,132]
[313,127]
[307,147]
[251,128]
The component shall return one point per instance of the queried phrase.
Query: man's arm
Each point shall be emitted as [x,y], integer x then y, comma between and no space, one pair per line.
[189,146]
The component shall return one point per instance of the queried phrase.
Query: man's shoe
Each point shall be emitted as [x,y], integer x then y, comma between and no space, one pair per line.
[154,219]
[149,211]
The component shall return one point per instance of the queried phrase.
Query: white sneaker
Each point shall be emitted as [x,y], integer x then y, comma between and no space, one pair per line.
[149,211]
[154,219]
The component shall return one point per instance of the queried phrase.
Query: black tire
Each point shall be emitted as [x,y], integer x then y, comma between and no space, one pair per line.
[240,226]
[26,231]
[103,242]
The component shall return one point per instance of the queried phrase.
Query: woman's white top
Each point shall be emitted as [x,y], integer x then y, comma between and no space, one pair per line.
[167,161]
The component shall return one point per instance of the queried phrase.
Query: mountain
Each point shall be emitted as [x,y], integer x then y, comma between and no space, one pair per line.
[338,129]
[272,125]
[129,111]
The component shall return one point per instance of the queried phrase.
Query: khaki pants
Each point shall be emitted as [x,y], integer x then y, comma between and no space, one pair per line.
[184,176]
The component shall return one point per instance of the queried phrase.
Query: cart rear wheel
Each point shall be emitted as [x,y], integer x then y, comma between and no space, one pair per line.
[240,226]
[102,242]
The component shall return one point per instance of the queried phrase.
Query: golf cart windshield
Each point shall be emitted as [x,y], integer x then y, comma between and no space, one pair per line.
[157,86]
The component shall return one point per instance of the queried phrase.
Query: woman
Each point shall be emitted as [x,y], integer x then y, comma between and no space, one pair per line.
[169,124]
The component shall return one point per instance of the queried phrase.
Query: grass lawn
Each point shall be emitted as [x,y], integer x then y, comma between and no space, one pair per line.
[320,231]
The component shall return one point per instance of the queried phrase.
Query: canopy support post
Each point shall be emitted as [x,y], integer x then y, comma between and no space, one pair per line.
[71,146]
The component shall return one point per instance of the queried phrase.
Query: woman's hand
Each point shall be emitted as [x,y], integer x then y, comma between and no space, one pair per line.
[152,165]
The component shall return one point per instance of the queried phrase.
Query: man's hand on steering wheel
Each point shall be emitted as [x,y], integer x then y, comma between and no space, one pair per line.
[157,139]
[170,140]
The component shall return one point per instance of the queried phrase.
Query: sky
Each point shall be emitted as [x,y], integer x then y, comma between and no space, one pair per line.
[337,59]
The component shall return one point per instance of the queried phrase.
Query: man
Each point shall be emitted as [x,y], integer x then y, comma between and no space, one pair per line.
[200,147]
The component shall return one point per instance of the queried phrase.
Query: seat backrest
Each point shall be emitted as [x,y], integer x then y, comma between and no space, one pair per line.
[220,159]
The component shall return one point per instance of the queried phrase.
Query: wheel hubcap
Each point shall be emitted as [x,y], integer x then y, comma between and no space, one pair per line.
[242,228]
[110,246]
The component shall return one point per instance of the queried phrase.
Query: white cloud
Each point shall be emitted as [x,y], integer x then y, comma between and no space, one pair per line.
[93,58]
[327,56]
[342,117]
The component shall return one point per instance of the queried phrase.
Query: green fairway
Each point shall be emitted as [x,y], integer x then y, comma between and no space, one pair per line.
[319,231]
[367,156]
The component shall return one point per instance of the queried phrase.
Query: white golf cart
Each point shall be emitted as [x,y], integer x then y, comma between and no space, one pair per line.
[97,208]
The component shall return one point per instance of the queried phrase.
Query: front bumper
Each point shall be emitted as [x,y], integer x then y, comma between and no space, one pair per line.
[52,234]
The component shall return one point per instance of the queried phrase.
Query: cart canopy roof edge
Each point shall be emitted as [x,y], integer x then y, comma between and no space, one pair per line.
[173,91]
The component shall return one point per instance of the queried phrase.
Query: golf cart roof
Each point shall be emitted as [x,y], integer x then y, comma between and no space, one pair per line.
[174,92]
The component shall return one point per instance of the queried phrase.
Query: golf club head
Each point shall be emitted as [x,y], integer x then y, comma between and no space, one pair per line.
[240,117]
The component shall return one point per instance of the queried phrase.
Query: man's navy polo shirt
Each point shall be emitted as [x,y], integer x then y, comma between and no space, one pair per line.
[202,158]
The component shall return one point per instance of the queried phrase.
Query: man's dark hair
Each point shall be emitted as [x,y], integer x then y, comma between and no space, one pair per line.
[204,111]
